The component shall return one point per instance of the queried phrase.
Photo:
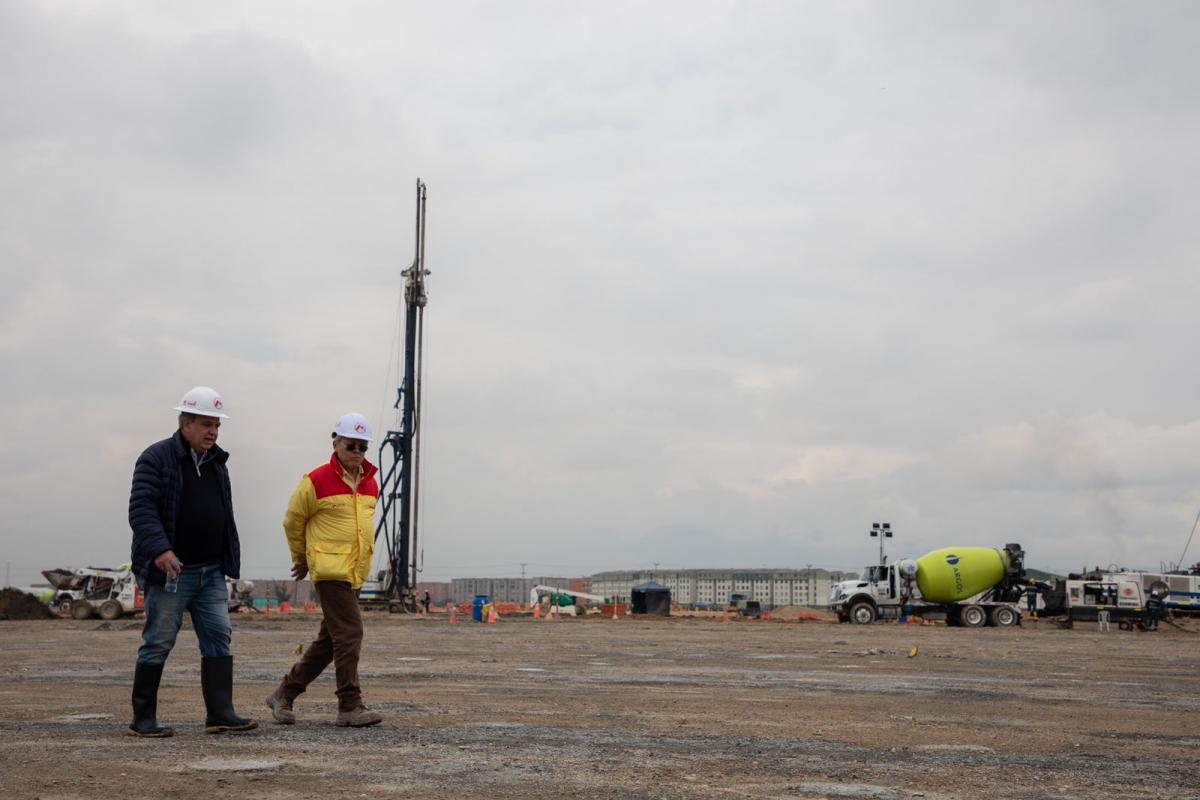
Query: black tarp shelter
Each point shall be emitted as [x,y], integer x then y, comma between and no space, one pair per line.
[650,597]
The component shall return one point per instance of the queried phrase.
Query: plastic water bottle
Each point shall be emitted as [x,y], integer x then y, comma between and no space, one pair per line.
[172,584]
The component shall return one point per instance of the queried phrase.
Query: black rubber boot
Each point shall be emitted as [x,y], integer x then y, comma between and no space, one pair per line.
[216,681]
[145,702]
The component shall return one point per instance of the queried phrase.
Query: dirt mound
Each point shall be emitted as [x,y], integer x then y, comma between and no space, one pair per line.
[15,604]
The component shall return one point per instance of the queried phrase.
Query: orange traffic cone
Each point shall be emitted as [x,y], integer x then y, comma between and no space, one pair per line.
[537,610]
[493,617]
[453,614]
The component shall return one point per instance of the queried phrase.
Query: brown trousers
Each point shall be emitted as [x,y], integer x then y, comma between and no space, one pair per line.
[339,641]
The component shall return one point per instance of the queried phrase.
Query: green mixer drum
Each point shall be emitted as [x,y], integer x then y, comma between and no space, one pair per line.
[956,573]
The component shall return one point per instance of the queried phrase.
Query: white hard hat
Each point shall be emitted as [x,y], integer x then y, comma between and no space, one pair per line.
[204,402]
[353,426]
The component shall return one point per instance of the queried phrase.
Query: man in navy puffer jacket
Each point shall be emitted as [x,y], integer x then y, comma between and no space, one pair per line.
[185,542]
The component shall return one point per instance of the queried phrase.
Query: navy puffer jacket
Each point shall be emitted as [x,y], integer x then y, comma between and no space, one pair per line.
[154,506]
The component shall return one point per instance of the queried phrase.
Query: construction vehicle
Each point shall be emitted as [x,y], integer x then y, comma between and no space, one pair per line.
[1122,594]
[743,606]
[241,593]
[564,601]
[81,593]
[113,593]
[1180,588]
[1084,597]
[400,450]
[968,586]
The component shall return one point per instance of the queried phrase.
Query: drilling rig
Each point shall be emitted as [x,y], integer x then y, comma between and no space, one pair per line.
[400,450]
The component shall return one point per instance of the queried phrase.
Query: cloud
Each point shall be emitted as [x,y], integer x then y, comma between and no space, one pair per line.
[1096,452]
[834,463]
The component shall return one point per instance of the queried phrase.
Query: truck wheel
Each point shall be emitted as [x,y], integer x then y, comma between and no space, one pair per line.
[111,609]
[1005,616]
[973,616]
[81,609]
[862,613]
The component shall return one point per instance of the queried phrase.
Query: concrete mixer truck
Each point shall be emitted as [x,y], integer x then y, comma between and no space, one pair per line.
[968,586]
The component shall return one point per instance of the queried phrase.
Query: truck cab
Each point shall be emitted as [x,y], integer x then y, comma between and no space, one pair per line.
[864,600]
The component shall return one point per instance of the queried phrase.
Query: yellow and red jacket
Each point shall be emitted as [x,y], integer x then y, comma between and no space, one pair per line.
[331,522]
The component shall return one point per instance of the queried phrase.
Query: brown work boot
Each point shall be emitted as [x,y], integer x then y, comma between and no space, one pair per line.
[281,708]
[360,717]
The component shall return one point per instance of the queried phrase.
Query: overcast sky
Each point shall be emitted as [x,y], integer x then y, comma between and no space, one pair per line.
[714,284]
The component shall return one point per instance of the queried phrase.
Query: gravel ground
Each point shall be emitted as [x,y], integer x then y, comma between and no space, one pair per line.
[595,708]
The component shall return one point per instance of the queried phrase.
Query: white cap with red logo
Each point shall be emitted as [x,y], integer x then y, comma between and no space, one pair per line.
[203,402]
[353,426]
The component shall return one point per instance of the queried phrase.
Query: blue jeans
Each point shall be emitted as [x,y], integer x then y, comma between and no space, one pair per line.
[203,594]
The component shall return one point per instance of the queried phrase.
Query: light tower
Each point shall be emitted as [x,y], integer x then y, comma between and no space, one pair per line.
[881,531]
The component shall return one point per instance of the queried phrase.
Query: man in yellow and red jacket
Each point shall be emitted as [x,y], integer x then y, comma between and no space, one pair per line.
[330,527]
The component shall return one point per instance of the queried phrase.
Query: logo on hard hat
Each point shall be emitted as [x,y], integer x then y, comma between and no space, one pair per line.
[951,559]
[217,403]
[360,428]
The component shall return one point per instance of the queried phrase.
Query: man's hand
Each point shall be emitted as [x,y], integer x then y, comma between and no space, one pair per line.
[300,569]
[168,563]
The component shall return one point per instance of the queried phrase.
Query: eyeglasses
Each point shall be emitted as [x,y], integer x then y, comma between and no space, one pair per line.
[355,447]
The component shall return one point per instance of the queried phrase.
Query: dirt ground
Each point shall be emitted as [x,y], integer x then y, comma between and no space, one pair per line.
[592,708]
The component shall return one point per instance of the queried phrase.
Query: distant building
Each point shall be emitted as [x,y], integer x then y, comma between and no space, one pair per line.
[271,591]
[439,592]
[771,587]
[500,590]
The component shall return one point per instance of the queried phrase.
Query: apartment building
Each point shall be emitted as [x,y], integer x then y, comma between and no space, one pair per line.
[771,587]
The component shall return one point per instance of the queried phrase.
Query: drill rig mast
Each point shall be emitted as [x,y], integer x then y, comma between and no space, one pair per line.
[400,450]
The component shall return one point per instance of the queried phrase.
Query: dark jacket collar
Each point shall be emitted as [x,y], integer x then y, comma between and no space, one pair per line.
[183,449]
